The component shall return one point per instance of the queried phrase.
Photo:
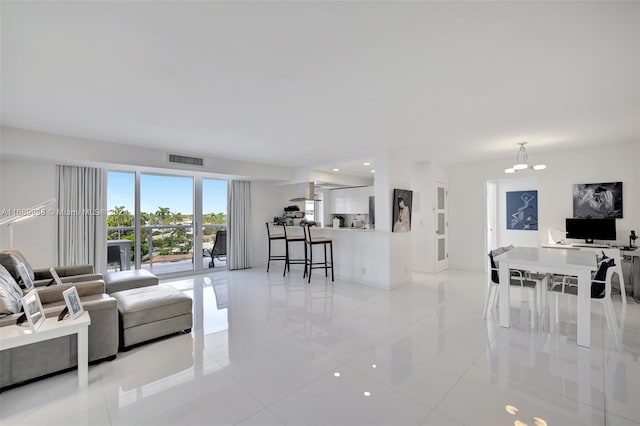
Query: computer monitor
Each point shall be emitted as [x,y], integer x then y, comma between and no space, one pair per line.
[591,229]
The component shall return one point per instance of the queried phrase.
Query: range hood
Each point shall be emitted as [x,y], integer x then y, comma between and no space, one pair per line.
[306,192]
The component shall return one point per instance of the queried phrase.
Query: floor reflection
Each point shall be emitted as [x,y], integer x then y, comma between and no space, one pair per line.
[267,349]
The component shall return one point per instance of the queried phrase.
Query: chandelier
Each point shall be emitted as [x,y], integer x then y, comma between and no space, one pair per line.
[521,161]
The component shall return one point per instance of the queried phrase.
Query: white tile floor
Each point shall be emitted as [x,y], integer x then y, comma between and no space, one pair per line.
[270,351]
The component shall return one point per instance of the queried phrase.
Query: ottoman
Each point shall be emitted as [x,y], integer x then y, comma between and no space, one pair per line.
[147,313]
[126,280]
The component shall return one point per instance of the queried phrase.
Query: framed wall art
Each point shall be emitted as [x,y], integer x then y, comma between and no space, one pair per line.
[522,210]
[597,200]
[402,202]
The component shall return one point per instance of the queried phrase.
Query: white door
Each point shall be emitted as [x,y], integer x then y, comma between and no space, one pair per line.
[442,227]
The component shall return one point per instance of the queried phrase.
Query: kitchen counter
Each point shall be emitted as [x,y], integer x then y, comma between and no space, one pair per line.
[359,254]
[345,228]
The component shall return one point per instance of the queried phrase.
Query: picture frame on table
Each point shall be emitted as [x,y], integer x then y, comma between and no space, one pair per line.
[55,276]
[25,277]
[33,310]
[72,300]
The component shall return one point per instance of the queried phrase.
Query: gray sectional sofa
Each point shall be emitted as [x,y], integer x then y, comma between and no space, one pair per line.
[126,308]
[22,364]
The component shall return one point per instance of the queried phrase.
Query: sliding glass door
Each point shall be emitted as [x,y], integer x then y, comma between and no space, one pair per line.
[153,222]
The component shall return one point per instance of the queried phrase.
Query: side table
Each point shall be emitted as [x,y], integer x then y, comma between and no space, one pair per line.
[13,336]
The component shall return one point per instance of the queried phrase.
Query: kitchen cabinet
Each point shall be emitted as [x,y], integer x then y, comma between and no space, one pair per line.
[350,200]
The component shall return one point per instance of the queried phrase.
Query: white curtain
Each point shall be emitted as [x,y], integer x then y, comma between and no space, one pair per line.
[238,225]
[82,221]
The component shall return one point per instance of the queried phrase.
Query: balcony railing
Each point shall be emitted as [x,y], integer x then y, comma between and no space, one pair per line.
[166,248]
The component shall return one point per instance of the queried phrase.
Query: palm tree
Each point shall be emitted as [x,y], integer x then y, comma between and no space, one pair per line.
[164,213]
[117,211]
[144,218]
[221,218]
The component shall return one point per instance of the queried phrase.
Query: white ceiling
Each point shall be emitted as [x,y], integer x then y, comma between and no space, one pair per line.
[311,83]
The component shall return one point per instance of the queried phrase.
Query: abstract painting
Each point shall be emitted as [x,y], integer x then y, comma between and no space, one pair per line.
[597,200]
[522,210]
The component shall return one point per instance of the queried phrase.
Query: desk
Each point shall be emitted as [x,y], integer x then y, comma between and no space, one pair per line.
[556,261]
[13,336]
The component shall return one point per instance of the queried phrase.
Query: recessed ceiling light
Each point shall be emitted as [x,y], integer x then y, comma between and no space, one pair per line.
[511,409]
[539,421]
[367,393]
[335,169]
[373,171]
[336,374]
[366,163]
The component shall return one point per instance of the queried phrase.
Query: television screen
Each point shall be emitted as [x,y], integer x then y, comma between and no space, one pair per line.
[591,229]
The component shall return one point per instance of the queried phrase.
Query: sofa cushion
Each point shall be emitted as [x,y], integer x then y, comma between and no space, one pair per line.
[10,259]
[151,304]
[10,293]
[127,280]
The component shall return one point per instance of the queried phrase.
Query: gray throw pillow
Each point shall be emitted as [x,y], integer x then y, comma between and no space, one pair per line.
[10,294]
[10,259]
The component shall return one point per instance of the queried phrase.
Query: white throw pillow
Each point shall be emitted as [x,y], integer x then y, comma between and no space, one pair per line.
[10,293]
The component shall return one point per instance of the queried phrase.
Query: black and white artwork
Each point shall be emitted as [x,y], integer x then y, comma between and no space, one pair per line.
[402,202]
[597,200]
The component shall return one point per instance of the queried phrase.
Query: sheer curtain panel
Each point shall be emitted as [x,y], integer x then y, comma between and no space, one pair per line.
[238,223]
[82,221]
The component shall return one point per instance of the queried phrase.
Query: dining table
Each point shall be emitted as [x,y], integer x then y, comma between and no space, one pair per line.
[543,260]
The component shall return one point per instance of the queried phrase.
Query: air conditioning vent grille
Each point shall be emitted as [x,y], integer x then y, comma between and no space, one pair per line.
[183,159]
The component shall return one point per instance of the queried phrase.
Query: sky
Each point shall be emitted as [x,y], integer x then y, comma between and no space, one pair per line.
[174,192]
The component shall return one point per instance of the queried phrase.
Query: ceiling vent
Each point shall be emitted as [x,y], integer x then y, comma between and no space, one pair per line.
[185,160]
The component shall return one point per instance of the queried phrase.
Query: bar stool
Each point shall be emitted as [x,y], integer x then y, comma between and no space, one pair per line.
[273,237]
[309,263]
[292,238]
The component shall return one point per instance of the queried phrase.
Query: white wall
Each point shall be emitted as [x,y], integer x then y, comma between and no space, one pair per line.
[24,184]
[421,217]
[467,203]
[31,145]
[399,176]
[267,201]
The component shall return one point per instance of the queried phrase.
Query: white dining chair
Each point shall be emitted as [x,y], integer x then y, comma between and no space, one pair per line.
[605,301]
[564,281]
[533,283]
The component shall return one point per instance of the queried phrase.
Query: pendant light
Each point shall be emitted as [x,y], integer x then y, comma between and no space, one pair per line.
[521,161]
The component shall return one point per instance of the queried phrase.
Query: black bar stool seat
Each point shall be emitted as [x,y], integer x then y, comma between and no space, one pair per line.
[309,263]
[293,238]
[273,237]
